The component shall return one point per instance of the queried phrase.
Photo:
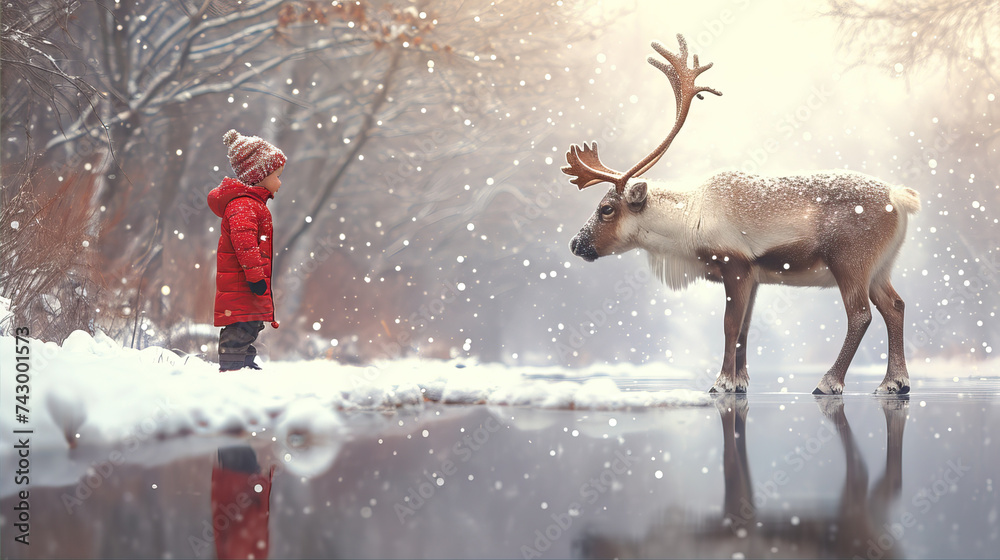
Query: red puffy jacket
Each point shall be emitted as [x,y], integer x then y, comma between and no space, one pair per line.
[245,251]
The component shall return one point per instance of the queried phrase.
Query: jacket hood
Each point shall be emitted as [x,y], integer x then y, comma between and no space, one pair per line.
[231,188]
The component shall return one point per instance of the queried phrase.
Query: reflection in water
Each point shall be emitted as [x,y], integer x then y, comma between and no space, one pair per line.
[306,443]
[785,479]
[241,506]
[856,528]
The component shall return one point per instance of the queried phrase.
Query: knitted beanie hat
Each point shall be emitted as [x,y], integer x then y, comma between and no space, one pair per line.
[252,157]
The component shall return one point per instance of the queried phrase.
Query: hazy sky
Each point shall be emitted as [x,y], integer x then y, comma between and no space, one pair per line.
[781,73]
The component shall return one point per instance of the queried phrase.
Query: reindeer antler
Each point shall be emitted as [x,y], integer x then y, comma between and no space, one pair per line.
[682,80]
[585,164]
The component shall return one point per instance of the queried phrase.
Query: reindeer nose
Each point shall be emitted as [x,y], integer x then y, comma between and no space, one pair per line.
[583,248]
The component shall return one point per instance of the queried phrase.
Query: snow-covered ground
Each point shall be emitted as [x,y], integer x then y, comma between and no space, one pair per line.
[92,391]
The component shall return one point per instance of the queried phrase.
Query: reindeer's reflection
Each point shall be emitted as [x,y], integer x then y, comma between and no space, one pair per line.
[853,530]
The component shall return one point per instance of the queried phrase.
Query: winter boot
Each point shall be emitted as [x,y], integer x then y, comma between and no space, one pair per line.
[232,361]
[248,361]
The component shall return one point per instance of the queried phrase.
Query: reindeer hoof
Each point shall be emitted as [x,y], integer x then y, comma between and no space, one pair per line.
[727,402]
[829,386]
[832,406]
[728,386]
[893,387]
[737,391]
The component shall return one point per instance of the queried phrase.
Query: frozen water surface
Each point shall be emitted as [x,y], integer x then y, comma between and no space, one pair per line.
[782,474]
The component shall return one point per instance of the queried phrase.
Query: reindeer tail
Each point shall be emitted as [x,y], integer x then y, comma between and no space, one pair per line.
[906,199]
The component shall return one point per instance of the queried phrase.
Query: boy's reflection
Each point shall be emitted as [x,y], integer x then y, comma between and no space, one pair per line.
[856,529]
[240,504]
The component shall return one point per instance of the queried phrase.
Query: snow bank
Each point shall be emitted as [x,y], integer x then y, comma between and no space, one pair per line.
[92,391]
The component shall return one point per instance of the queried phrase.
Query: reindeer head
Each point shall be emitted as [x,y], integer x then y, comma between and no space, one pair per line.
[612,227]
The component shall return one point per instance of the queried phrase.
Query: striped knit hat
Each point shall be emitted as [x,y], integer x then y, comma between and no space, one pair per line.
[252,157]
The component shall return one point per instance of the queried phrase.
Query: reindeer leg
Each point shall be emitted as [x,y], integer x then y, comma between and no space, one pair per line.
[738,505]
[741,344]
[859,316]
[889,487]
[853,519]
[890,305]
[736,277]
[856,483]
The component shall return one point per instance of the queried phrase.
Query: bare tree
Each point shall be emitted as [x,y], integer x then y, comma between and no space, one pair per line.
[953,46]
[395,96]
[908,36]
[37,73]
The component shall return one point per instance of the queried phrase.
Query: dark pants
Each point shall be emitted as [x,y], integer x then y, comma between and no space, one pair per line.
[236,345]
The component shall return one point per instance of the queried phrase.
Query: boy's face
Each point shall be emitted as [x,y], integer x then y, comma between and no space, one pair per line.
[273,181]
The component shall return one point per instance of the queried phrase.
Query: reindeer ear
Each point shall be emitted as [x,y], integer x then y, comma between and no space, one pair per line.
[635,196]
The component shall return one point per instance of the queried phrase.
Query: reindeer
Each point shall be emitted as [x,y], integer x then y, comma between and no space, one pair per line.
[826,229]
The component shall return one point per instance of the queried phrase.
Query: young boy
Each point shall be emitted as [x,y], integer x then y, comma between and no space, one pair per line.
[243,278]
